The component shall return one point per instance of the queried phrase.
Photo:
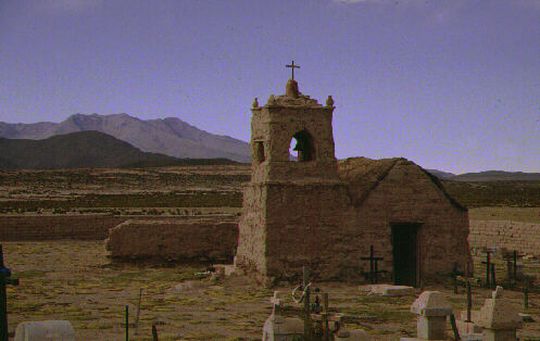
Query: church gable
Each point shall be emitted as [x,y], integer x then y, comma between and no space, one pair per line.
[364,175]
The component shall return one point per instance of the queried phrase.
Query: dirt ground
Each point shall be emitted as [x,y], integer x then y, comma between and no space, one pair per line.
[75,280]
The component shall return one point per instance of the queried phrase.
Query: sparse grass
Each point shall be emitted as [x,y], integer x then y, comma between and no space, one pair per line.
[76,281]
[524,214]
[495,193]
[148,191]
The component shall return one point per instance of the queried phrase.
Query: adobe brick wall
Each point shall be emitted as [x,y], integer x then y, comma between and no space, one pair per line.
[179,240]
[407,195]
[287,225]
[53,227]
[513,235]
[77,227]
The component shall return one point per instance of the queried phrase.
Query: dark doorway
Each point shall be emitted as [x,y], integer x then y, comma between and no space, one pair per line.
[404,241]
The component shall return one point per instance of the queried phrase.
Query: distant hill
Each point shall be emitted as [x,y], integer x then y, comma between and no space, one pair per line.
[441,174]
[497,176]
[490,175]
[170,136]
[88,149]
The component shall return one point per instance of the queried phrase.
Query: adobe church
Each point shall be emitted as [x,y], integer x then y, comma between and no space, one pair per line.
[317,211]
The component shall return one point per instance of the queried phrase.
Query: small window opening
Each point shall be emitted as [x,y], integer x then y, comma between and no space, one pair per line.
[301,147]
[259,151]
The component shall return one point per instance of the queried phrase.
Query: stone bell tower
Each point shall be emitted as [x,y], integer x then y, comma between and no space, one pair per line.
[292,205]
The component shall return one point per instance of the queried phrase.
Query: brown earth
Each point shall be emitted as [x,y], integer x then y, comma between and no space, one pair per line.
[75,280]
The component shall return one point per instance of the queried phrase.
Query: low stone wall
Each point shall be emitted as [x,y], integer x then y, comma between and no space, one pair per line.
[52,227]
[76,226]
[181,240]
[512,235]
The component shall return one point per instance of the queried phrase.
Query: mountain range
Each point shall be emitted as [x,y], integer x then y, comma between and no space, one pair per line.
[170,136]
[490,175]
[86,149]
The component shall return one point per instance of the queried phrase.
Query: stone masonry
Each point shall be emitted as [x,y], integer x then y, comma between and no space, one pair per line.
[326,214]
[54,227]
[208,240]
[512,235]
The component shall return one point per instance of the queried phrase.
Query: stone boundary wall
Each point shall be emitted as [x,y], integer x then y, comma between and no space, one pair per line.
[53,227]
[57,227]
[192,240]
[512,235]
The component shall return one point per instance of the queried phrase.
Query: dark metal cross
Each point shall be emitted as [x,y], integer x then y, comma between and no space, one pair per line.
[373,265]
[5,279]
[488,253]
[292,66]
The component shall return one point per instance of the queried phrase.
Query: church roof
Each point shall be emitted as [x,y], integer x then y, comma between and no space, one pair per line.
[364,175]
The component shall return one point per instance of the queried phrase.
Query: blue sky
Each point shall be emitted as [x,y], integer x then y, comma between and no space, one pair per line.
[449,84]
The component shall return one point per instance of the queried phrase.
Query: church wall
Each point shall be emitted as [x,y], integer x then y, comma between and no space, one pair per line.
[301,213]
[408,195]
[306,226]
[251,251]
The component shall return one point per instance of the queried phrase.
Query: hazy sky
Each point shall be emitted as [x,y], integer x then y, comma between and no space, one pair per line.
[452,85]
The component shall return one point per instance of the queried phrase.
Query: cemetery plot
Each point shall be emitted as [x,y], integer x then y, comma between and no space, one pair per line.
[76,281]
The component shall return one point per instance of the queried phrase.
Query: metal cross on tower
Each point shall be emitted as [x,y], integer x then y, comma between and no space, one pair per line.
[292,66]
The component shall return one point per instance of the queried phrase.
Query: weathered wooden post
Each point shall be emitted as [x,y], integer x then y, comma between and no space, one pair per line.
[469,300]
[455,273]
[493,278]
[454,327]
[154,333]
[325,317]
[5,279]
[509,271]
[526,293]
[127,322]
[138,311]
[515,266]
[488,267]
[307,303]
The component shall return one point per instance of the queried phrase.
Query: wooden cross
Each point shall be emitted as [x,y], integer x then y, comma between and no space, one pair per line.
[292,66]
[455,273]
[488,253]
[373,265]
[468,279]
[511,267]
[307,307]
[5,279]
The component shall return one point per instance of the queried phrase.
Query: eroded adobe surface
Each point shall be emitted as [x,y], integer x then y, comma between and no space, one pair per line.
[315,211]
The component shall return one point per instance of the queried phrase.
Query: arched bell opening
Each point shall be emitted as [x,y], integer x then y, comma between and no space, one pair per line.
[302,147]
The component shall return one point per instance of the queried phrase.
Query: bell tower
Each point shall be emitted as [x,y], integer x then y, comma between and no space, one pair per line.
[292,200]
[292,116]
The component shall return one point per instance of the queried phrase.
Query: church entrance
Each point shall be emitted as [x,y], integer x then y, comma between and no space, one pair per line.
[405,253]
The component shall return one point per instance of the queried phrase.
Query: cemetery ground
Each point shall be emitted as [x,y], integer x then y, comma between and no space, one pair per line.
[75,280]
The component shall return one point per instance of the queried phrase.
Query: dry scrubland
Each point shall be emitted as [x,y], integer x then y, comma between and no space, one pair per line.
[76,280]
[178,190]
[150,191]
